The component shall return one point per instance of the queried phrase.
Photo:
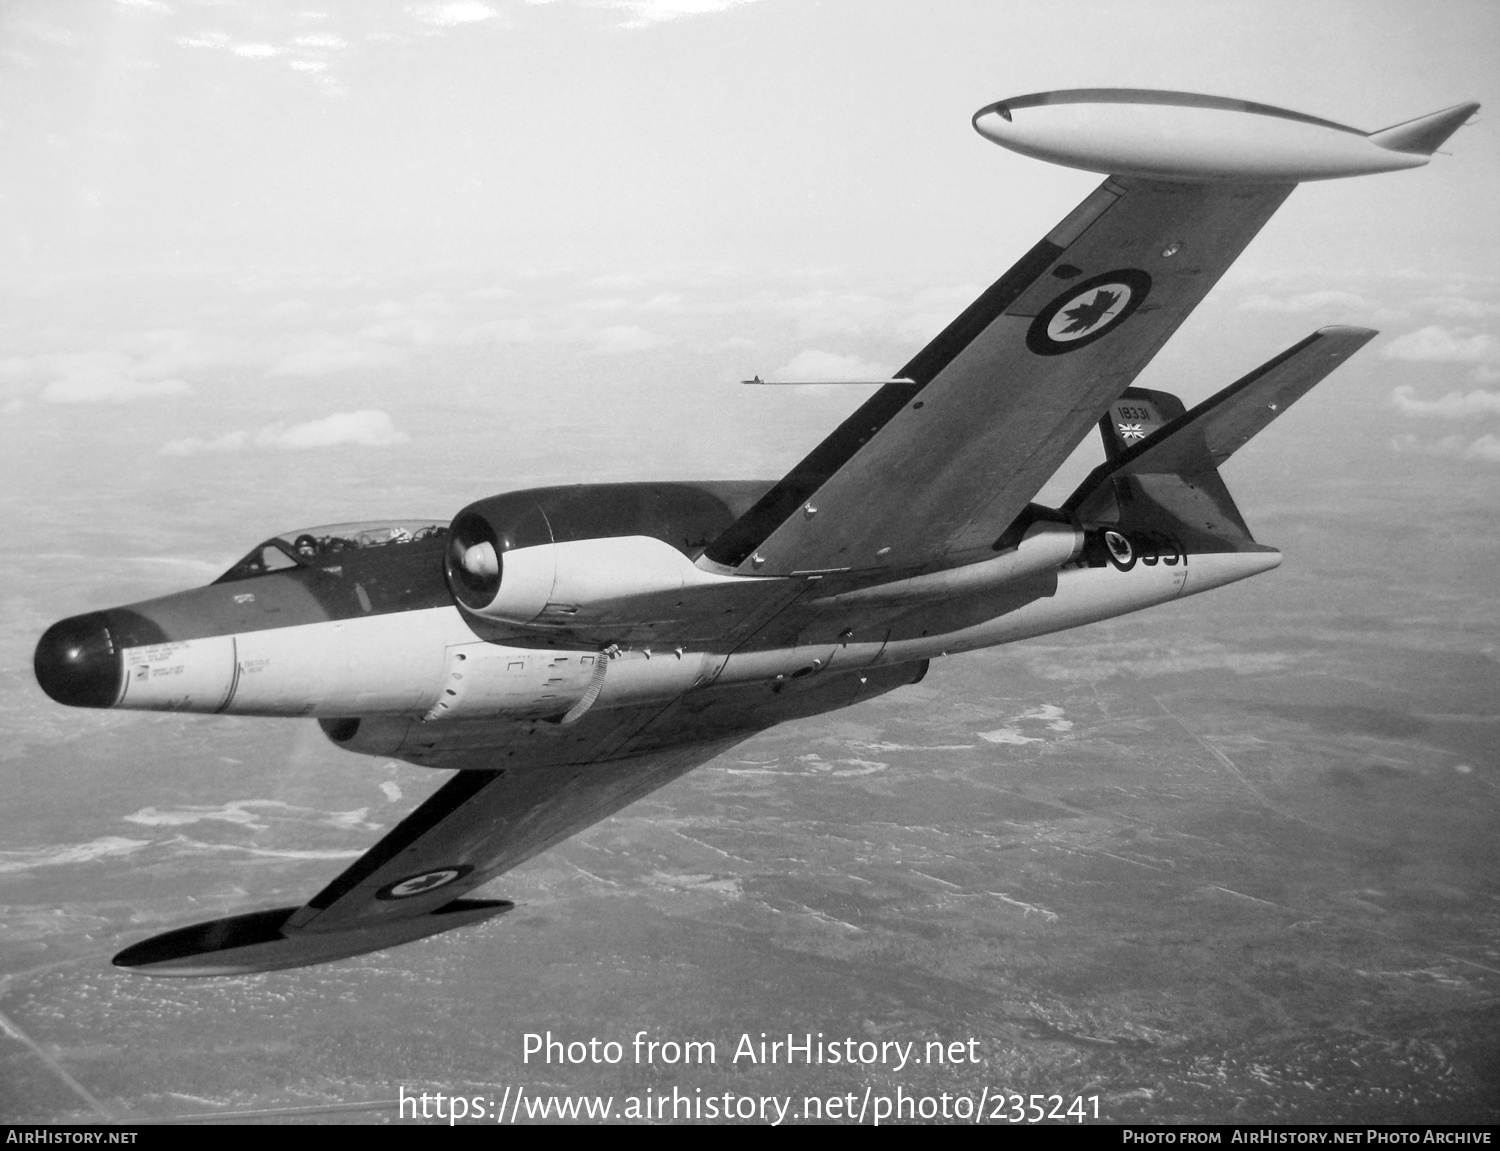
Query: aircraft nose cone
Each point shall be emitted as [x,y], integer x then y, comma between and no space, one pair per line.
[76,662]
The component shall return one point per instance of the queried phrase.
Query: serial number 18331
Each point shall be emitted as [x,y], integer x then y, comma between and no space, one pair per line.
[1011,1107]
[1130,412]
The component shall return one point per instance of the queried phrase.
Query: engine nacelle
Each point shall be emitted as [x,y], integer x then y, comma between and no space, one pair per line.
[512,560]
[581,581]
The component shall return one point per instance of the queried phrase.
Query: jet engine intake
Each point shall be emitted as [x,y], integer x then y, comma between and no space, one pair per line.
[571,583]
[520,575]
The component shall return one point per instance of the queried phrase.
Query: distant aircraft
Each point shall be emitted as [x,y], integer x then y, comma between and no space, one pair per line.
[570,649]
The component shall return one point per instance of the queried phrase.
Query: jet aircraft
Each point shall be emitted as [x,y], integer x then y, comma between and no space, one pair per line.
[566,650]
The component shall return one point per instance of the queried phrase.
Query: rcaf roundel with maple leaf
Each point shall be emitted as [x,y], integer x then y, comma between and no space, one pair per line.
[1087,311]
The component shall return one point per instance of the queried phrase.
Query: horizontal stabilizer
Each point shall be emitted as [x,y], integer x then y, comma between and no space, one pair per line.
[1213,431]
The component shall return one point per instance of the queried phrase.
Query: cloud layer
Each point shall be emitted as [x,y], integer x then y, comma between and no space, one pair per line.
[367,428]
[149,365]
[1438,345]
[1453,406]
[815,365]
[454,13]
[103,386]
[644,13]
[1485,449]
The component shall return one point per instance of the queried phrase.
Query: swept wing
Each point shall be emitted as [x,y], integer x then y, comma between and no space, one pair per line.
[489,818]
[929,474]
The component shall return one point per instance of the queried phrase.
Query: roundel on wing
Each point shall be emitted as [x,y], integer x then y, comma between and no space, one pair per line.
[1087,311]
[423,883]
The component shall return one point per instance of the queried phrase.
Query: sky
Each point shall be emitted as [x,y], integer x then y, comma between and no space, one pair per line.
[275,248]
[273,265]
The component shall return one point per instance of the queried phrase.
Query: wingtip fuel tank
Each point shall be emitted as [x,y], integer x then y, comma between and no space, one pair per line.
[1189,137]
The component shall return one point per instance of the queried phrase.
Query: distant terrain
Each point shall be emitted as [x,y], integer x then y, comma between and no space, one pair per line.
[1233,859]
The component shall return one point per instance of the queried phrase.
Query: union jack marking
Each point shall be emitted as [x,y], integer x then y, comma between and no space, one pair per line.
[1130,432]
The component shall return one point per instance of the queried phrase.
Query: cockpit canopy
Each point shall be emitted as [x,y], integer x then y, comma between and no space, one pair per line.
[325,547]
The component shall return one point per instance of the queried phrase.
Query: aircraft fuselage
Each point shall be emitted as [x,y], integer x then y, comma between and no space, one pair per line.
[356,630]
